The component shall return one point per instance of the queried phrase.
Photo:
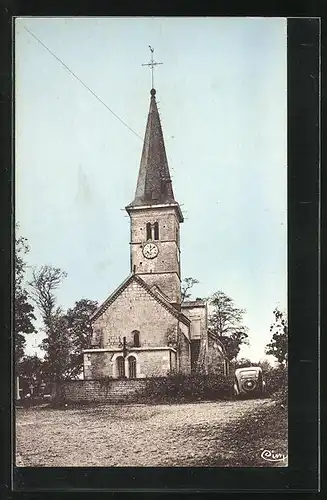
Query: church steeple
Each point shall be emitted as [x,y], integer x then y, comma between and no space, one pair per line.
[155,216]
[154,186]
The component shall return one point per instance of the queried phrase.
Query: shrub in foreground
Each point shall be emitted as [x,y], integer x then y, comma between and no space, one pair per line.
[195,387]
[277,383]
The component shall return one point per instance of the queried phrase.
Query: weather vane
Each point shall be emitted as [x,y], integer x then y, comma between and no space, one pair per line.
[152,64]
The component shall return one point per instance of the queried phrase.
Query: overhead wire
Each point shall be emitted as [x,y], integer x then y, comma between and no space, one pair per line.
[82,83]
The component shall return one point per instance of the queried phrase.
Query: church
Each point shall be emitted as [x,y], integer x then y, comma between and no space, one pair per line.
[145,328]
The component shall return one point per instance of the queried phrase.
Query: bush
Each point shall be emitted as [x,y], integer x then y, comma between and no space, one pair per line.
[277,383]
[188,388]
[29,402]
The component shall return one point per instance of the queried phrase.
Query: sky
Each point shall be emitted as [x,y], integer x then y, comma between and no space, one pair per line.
[221,94]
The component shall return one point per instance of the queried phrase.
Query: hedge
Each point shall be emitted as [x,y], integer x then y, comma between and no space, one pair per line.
[195,387]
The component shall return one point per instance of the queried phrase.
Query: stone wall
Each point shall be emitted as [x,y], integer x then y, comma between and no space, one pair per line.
[185,353]
[111,391]
[196,311]
[98,365]
[154,363]
[165,268]
[195,351]
[166,216]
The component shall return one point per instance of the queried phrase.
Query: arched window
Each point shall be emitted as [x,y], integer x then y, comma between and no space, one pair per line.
[156,231]
[121,367]
[132,367]
[148,231]
[136,338]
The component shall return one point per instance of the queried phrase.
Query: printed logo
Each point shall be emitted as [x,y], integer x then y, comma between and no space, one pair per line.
[272,456]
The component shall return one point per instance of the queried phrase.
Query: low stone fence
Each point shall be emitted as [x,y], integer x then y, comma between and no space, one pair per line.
[108,390]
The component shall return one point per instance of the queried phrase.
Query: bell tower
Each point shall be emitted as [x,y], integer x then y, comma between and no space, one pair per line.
[155,216]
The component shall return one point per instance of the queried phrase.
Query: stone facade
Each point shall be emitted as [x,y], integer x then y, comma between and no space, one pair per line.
[152,362]
[184,353]
[167,340]
[136,322]
[196,311]
[135,309]
[163,271]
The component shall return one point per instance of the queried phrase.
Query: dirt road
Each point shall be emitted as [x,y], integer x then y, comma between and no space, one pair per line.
[182,435]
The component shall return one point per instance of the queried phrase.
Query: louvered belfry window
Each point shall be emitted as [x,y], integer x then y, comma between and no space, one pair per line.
[152,231]
[148,231]
[156,230]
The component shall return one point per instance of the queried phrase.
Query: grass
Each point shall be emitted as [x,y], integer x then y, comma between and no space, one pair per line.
[265,428]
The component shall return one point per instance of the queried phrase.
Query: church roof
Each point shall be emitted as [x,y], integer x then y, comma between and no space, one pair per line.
[159,297]
[154,185]
[193,303]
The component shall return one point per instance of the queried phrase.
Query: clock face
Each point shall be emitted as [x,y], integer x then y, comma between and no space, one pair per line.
[150,250]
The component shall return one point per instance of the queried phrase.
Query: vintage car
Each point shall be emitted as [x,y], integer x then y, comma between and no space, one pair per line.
[249,381]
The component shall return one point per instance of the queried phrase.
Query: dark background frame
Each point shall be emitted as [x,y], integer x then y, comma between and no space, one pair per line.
[303,269]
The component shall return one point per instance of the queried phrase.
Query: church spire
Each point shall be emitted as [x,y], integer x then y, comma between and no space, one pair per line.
[154,186]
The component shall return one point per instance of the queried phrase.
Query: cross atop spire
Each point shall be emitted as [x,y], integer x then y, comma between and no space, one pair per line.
[152,64]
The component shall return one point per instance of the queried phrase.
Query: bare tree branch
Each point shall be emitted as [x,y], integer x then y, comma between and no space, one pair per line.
[187,284]
[44,282]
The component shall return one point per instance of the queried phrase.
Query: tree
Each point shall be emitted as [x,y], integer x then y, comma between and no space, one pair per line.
[243,363]
[278,345]
[187,284]
[57,347]
[265,365]
[44,283]
[31,374]
[79,330]
[225,323]
[24,311]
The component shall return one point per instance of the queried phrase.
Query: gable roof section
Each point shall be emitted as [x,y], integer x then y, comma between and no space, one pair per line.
[159,297]
[193,303]
[158,291]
